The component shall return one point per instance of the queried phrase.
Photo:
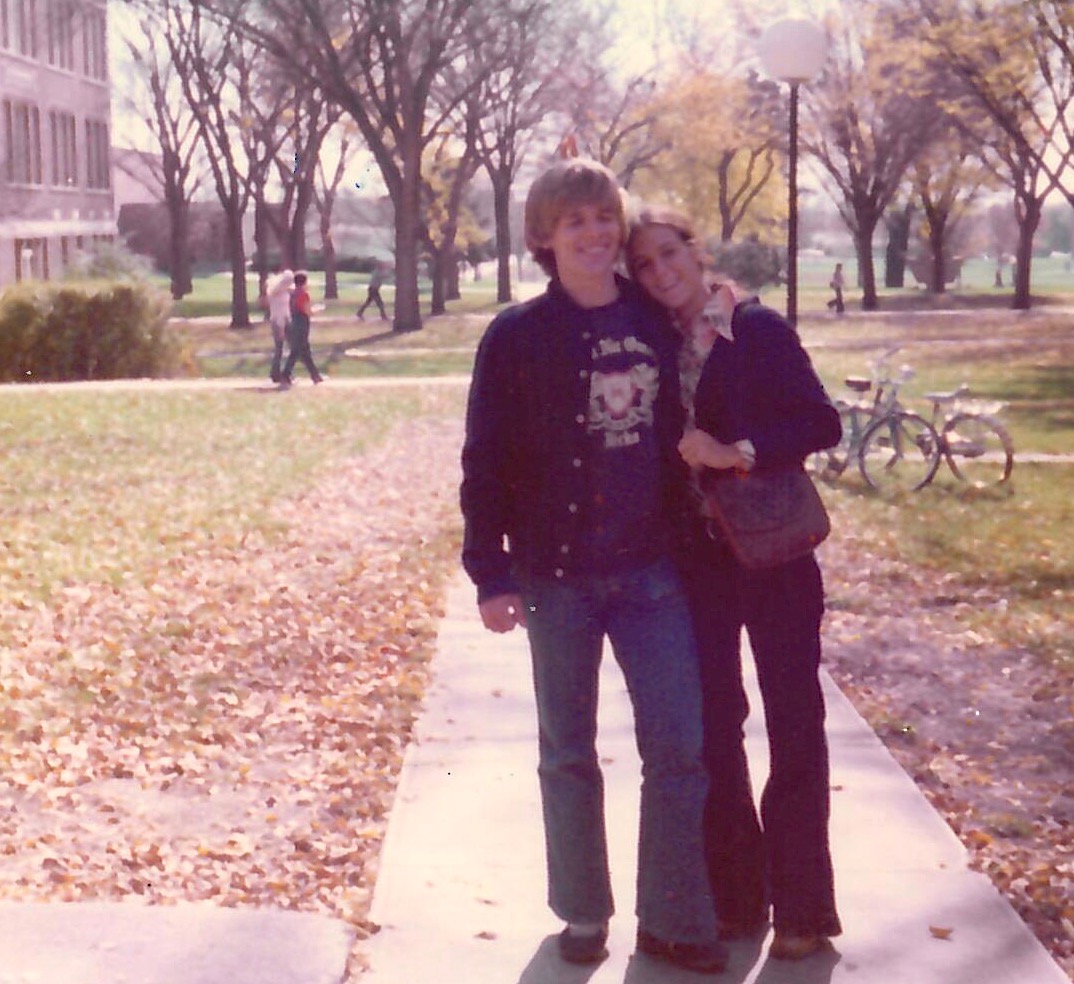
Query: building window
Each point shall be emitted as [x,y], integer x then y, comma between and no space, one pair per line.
[62,128]
[61,34]
[22,143]
[94,44]
[18,26]
[98,172]
[31,259]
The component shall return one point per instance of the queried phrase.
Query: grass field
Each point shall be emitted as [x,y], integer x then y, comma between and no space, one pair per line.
[73,457]
[1052,282]
[107,486]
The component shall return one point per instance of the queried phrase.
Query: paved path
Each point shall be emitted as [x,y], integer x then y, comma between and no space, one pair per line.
[461,885]
[195,943]
[461,889]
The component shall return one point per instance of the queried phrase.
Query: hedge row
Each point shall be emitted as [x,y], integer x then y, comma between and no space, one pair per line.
[60,333]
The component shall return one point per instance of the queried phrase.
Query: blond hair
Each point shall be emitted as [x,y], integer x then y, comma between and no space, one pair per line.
[568,184]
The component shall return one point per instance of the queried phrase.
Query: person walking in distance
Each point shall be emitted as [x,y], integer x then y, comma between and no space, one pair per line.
[376,281]
[299,334]
[278,298]
[837,283]
[568,459]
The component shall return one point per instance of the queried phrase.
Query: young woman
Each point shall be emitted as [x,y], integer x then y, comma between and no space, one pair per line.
[752,401]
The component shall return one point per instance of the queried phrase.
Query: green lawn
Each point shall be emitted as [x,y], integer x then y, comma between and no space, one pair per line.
[107,486]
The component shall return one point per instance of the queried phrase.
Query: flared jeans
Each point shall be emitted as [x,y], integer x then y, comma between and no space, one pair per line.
[645,616]
[779,855]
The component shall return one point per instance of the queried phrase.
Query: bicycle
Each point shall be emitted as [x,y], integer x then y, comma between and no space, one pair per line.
[972,440]
[895,449]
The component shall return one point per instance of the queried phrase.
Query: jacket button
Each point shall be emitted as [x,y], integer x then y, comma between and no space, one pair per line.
[580,419]
[565,548]
[583,374]
[559,572]
[573,507]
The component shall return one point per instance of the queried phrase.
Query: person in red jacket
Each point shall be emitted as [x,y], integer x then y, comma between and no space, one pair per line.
[298,333]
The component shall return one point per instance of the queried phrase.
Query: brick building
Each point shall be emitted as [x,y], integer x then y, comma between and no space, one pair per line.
[55,122]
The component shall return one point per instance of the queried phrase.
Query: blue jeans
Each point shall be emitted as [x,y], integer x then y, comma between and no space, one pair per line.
[644,613]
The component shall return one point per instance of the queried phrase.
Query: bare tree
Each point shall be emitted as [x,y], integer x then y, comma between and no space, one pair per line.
[516,99]
[615,124]
[207,56]
[178,172]
[1014,63]
[379,62]
[307,120]
[454,161]
[947,179]
[866,121]
[325,192]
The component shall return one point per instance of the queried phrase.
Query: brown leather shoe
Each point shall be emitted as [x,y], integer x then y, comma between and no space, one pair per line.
[705,958]
[789,947]
[583,948]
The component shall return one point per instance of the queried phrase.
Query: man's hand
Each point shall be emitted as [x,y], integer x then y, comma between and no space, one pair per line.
[503,613]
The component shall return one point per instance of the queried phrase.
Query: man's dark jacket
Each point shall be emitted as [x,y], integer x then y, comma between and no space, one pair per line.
[528,454]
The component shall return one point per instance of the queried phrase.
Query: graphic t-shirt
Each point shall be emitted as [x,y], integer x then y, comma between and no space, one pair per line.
[624,518]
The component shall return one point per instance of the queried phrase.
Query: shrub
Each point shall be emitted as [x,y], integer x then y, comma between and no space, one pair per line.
[750,263]
[108,261]
[59,333]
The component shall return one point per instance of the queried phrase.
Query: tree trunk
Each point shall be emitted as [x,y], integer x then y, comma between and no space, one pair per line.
[937,247]
[328,251]
[408,238]
[437,268]
[1029,214]
[260,245]
[501,198]
[863,244]
[179,248]
[451,286]
[296,234]
[240,305]
[898,245]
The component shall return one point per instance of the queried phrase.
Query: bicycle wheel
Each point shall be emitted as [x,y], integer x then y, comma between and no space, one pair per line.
[978,449]
[899,453]
[832,462]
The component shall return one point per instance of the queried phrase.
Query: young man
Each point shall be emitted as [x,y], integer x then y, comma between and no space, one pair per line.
[298,334]
[573,417]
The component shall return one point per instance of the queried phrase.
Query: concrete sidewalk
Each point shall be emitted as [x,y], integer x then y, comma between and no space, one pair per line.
[461,889]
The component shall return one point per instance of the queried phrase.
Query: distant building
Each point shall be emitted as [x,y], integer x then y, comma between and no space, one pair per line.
[55,122]
[136,176]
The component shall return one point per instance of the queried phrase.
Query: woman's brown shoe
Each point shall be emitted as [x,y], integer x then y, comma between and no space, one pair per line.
[787,947]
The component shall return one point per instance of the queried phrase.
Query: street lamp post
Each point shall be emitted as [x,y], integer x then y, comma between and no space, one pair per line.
[793,51]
